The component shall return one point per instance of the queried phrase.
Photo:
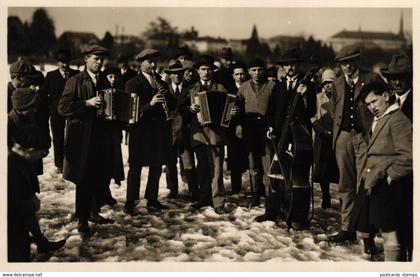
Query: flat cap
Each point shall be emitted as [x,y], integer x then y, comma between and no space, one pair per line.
[147,54]
[399,65]
[226,53]
[256,63]
[239,64]
[23,68]
[328,75]
[112,70]
[290,56]
[95,49]
[348,52]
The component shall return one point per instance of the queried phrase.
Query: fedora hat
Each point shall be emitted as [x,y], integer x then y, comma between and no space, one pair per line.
[174,67]
[399,65]
[204,60]
[290,56]
[348,52]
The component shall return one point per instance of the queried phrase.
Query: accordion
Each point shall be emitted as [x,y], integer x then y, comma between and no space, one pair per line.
[118,105]
[215,108]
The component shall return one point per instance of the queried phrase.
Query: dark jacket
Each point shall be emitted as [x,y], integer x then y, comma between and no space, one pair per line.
[53,88]
[407,107]
[149,135]
[83,128]
[364,117]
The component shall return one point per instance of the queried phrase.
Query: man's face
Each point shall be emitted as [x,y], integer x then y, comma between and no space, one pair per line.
[327,87]
[176,77]
[226,63]
[377,104]
[290,68]
[349,66]
[257,74]
[189,75]
[239,75]
[400,83]
[112,78]
[148,66]
[94,62]
[122,65]
[63,66]
[205,72]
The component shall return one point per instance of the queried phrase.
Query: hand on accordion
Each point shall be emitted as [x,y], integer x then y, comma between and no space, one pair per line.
[235,111]
[95,102]
[157,98]
[195,108]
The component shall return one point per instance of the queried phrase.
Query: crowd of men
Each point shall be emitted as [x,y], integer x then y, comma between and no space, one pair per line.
[361,125]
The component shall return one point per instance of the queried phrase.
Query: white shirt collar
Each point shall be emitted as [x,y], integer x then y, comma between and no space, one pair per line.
[148,76]
[205,82]
[403,97]
[92,76]
[390,109]
[293,78]
[174,86]
[62,72]
[354,76]
[237,85]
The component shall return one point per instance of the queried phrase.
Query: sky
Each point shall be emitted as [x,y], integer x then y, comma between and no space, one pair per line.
[232,22]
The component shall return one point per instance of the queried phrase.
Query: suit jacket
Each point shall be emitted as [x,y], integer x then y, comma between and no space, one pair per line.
[279,103]
[149,136]
[212,134]
[129,74]
[53,88]
[388,152]
[83,126]
[364,116]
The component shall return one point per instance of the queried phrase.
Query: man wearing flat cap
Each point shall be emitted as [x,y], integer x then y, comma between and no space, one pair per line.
[208,140]
[400,77]
[253,100]
[179,140]
[351,117]
[148,137]
[88,144]
[53,89]
[126,72]
[224,74]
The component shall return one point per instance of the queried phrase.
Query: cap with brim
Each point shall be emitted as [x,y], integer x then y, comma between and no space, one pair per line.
[95,49]
[23,68]
[174,67]
[348,52]
[399,66]
[205,60]
[226,53]
[239,65]
[290,56]
[188,64]
[24,98]
[147,54]
[328,76]
[256,63]
[112,70]
[183,51]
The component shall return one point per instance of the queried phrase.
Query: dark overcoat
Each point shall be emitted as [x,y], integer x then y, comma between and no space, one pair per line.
[83,128]
[148,137]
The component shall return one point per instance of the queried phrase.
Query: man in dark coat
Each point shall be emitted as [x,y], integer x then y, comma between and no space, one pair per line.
[179,137]
[126,72]
[350,118]
[208,140]
[384,161]
[400,77]
[53,89]
[148,137]
[88,143]
[294,83]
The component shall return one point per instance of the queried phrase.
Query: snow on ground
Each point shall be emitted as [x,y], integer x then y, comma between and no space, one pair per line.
[180,234]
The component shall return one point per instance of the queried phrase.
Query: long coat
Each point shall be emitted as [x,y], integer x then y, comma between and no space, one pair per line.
[388,152]
[148,137]
[407,107]
[364,117]
[83,128]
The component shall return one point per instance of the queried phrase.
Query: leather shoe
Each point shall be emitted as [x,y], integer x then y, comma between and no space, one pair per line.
[156,205]
[47,246]
[254,202]
[83,227]
[199,205]
[221,210]
[129,207]
[343,236]
[172,195]
[98,219]
[265,217]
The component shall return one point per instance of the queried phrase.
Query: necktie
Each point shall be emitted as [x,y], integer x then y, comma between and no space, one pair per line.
[66,75]
[350,82]
[399,101]
[97,80]
[290,85]
[205,88]
[177,91]
[153,82]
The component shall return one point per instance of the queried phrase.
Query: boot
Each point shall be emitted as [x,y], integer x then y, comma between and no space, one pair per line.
[369,246]
[47,246]
[326,198]
[271,212]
